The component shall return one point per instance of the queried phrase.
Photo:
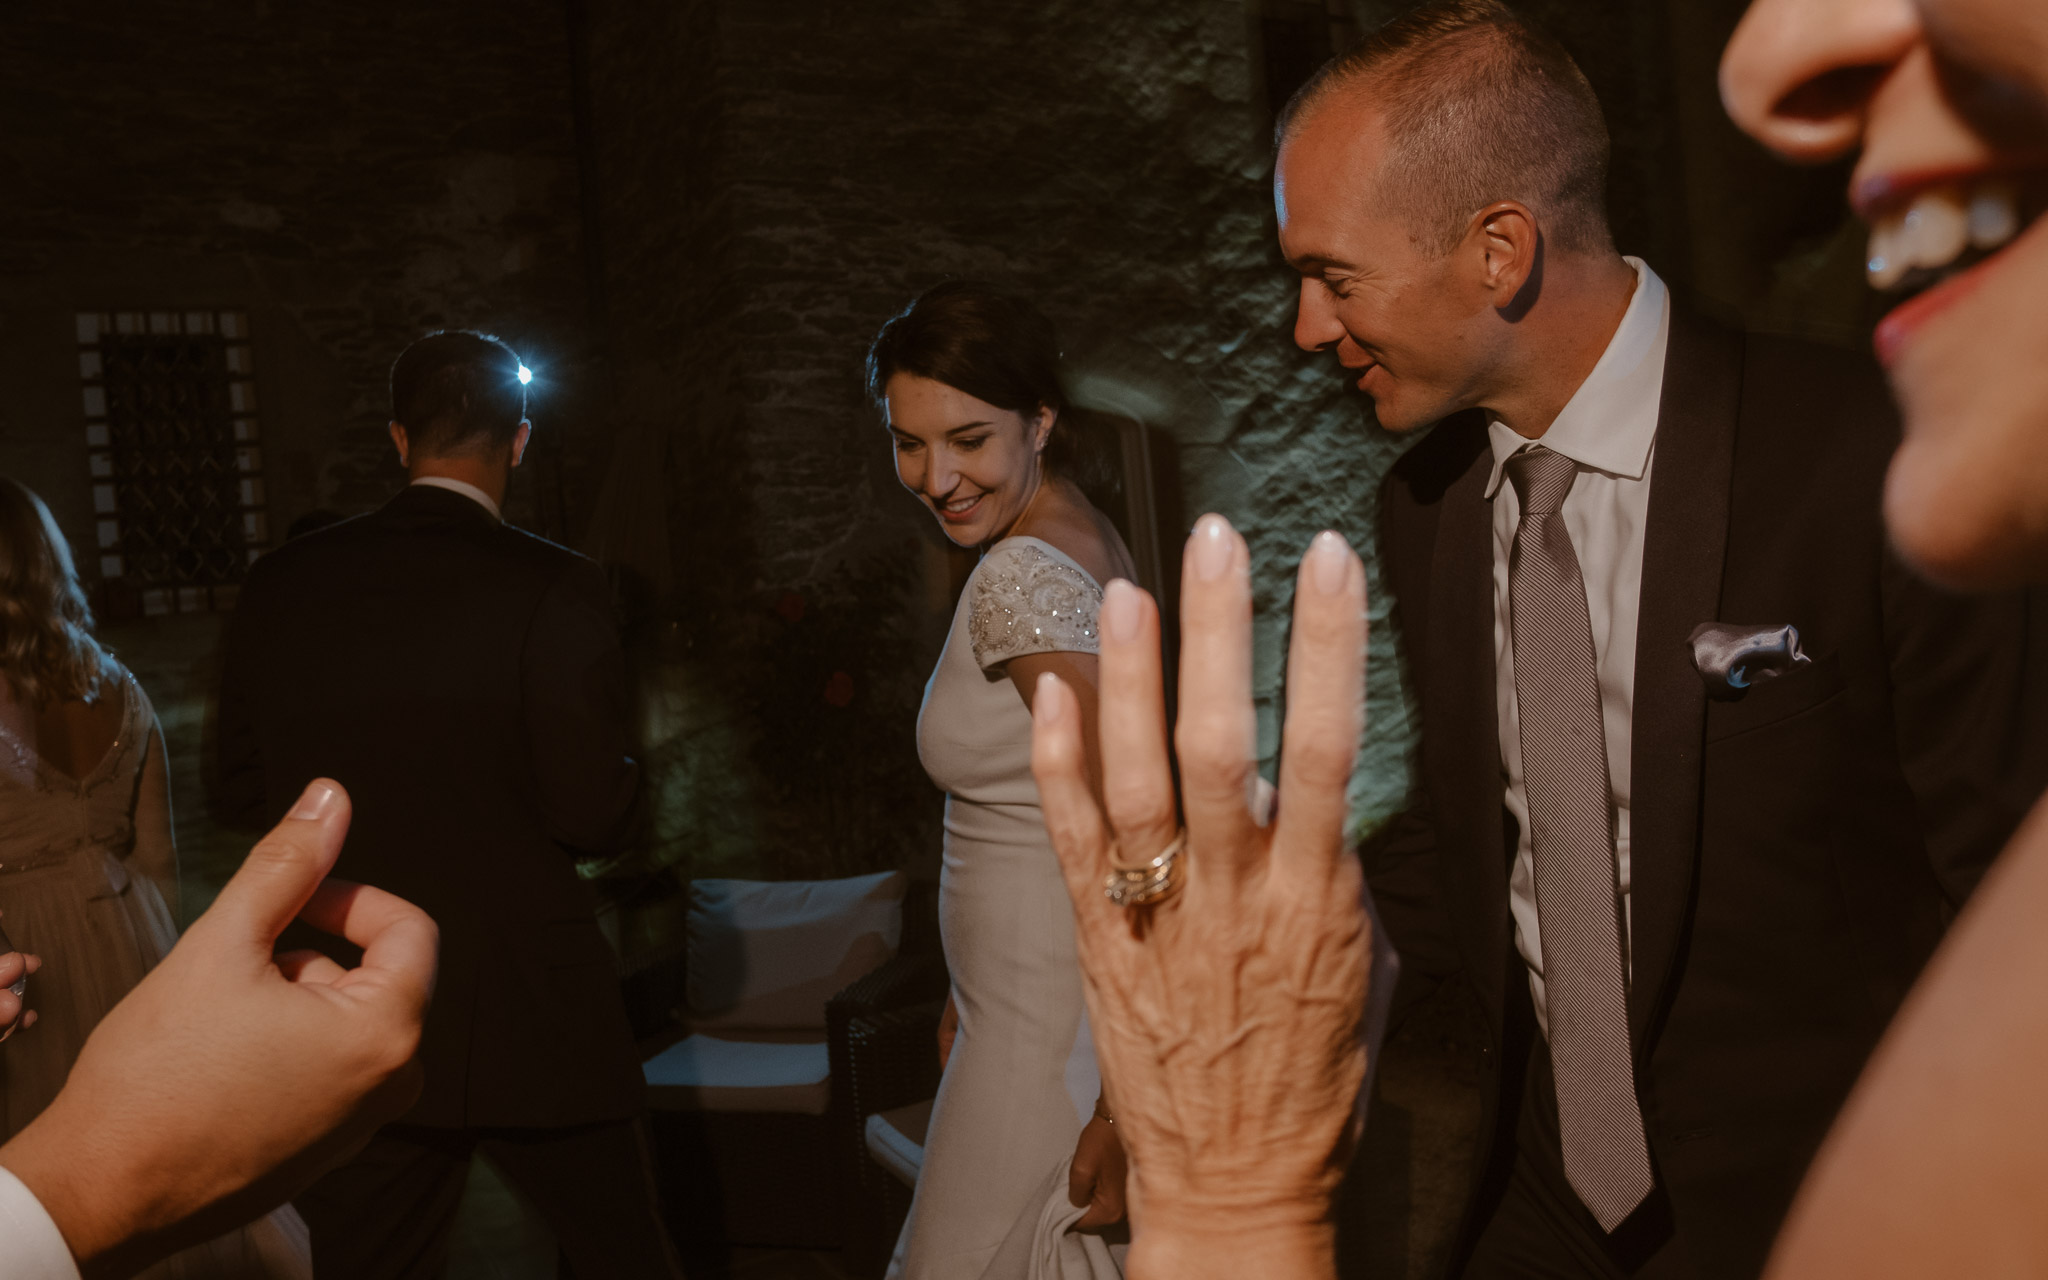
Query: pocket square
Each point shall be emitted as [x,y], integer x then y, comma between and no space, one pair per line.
[1731,658]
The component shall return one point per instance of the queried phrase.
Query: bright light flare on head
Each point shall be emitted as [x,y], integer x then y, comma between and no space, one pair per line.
[525,375]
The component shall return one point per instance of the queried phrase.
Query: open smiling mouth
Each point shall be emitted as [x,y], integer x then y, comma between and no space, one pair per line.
[1948,229]
[1928,239]
[959,510]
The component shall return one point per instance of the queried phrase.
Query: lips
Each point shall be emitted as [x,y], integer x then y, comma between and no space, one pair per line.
[1934,237]
[959,510]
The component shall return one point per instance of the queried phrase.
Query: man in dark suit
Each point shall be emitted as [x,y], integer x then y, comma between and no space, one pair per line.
[463,679]
[1689,873]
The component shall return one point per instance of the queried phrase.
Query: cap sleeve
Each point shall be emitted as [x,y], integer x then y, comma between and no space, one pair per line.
[1025,601]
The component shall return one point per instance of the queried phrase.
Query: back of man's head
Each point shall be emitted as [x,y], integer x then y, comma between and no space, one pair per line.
[1478,107]
[458,393]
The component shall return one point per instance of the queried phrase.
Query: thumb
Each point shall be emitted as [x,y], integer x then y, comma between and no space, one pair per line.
[284,868]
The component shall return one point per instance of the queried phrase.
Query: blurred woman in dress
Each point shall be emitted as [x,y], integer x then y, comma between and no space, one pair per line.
[1022,1156]
[88,871]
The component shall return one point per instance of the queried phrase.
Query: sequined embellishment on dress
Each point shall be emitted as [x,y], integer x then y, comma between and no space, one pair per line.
[1028,602]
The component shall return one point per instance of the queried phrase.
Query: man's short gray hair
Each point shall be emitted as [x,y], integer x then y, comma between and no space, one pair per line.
[1479,106]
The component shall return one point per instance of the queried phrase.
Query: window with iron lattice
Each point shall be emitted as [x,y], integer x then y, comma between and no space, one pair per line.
[177,468]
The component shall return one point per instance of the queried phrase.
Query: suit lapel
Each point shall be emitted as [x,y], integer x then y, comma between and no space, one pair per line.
[1465,735]
[1683,547]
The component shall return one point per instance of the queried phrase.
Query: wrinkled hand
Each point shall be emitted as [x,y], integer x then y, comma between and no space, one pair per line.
[1233,1016]
[1096,1177]
[229,1079]
[949,1030]
[14,966]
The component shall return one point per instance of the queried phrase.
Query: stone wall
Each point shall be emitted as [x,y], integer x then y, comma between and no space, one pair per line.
[354,175]
[822,167]
[350,176]
[691,217]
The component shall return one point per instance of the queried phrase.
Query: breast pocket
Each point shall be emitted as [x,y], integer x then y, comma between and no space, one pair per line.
[1800,691]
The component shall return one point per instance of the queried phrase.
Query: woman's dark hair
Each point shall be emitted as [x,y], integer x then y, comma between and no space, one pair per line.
[993,345]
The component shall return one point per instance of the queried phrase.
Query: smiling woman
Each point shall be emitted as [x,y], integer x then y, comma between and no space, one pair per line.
[1021,1155]
[1948,101]
[1940,1159]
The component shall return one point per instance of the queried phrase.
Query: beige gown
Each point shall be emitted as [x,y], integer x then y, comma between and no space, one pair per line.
[73,890]
[991,1200]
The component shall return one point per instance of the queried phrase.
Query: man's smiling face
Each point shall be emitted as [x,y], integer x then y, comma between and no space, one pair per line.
[1409,322]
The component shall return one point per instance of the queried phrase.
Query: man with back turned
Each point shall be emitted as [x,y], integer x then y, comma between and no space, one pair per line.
[463,680]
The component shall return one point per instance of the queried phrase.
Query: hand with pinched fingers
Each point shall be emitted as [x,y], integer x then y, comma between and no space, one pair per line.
[230,1078]
[1238,1015]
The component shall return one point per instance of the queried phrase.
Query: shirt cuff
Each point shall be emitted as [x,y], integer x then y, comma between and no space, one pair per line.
[31,1247]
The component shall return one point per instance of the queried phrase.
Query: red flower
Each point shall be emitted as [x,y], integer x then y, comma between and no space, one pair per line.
[789,606]
[839,689]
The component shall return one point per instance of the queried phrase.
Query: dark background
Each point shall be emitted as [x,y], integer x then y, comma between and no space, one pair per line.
[689,216]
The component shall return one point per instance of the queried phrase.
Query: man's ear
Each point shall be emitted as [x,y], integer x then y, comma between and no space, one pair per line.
[519,439]
[398,438]
[1512,244]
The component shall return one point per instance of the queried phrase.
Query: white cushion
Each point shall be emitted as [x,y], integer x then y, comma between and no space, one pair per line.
[896,1139]
[706,1073]
[767,955]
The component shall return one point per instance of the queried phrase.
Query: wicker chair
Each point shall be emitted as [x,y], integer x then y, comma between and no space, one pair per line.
[883,1035]
[774,1172]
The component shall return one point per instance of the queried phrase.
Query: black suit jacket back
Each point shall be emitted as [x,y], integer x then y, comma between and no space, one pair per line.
[1795,854]
[463,680]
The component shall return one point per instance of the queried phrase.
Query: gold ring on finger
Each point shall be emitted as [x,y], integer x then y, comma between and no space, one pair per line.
[1154,882]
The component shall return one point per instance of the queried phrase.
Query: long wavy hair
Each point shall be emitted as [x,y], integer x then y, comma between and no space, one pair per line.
[46,647]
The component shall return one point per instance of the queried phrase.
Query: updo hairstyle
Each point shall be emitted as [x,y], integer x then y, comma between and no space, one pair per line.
[992,345]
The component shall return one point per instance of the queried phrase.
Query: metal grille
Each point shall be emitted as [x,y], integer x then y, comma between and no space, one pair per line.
[170,410]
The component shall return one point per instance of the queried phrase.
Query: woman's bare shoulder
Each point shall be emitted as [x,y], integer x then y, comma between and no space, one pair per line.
[1078,530]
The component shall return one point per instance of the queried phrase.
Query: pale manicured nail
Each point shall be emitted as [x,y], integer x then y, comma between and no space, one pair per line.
[315,802]
[1045,704]
[1120,611]
[1210,546]
[1329,562]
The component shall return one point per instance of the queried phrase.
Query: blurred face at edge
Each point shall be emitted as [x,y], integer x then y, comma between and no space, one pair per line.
[1411,325]
[974,465]
[1948,102]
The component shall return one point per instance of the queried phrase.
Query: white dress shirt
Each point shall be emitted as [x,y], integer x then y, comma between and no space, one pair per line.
[31,1247]
[1609,428]
[467,490]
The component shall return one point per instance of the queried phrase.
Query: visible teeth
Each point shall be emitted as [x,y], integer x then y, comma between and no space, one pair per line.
[1887,264]
[1994,216]
[1937,229]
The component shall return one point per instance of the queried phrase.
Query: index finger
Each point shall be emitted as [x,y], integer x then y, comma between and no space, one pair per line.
[1325,702]
[401,943]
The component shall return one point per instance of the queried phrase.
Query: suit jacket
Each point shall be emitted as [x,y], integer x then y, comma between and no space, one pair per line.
[463,680]
[1796,854]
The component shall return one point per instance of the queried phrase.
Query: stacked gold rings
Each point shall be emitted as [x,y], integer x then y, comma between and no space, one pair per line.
[1156,881]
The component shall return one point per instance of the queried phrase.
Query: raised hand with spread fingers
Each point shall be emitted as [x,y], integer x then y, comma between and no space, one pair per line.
[1237,995]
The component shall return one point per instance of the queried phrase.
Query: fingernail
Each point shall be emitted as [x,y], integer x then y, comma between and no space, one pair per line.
[315,802]
[1329,562]
[1045,704]
[1119,611]
[1211,547]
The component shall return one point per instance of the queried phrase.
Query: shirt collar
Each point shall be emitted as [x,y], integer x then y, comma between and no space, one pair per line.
[1610,422]
[467,490]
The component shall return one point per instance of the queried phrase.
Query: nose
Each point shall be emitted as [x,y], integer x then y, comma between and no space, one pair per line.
[1316,327]
[1799,75]
[940,475]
